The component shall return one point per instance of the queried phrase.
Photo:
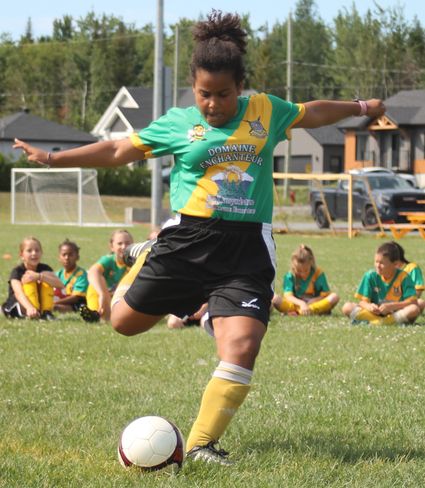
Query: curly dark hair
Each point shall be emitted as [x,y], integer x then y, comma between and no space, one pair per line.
[220,45]
[70,244]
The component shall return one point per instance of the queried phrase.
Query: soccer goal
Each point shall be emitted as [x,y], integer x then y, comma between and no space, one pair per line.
[67,196]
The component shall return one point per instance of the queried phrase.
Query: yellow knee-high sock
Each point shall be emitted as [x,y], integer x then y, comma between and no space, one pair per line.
[92,298]
[321,306]
[387,320]
[31,292]
[46,297]
[222,397]
[365,315]
[285,306]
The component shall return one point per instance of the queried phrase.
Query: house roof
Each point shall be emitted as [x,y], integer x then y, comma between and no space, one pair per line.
[406,107]
[31,128]
[328,135]
[132,109]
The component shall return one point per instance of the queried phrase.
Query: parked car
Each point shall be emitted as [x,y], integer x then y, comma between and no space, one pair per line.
[411,179]
[392,194]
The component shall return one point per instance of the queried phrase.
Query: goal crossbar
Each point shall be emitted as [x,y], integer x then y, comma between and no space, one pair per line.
[61,196]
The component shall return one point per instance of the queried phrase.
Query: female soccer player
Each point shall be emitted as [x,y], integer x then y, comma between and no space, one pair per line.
[221,251]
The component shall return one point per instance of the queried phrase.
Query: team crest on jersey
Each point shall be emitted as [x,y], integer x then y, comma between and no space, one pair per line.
[257,129]
[197,133]
[397,291]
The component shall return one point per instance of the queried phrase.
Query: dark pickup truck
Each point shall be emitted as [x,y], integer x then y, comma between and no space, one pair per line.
[392,194]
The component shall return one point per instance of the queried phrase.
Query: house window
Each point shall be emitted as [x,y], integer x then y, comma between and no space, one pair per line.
[362,147]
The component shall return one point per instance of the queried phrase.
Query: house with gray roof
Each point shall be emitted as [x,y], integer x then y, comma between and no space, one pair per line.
[131,110]
[40,132]
[318,150]
[394,141]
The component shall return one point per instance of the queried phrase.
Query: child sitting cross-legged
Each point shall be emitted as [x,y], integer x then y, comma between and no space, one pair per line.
[305,287]
[31,284]
[386,294]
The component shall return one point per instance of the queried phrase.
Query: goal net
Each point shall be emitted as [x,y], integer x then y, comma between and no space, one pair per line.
[67,196]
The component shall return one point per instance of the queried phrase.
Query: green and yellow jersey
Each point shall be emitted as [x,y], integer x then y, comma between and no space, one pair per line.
[315,285]
[75,282]
[222,172]
[415,273]
[373,288]
[112,270]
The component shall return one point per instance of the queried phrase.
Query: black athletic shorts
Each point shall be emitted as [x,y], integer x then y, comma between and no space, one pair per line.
[230,265]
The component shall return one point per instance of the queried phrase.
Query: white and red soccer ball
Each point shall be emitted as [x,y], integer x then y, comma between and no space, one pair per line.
[151,443]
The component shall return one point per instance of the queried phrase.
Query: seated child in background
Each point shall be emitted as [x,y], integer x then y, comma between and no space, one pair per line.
[415,273]
[72,294]
[386,294]
[31,284]
[104,277]
[174,322]
[305,288]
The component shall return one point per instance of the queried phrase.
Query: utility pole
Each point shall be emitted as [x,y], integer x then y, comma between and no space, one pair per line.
[288,96]
[176,66]
[158,97]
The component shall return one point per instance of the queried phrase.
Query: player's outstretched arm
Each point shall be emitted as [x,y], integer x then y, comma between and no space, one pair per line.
[325,112]
[98,154]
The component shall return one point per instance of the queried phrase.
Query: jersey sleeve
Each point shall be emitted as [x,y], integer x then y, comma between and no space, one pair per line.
[106,262]
[408,288]
[285,115]
[288,284]
[364,291]
[156,139]
[81,283]
[417,278]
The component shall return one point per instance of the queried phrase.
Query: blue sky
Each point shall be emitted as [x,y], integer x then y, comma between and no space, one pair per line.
[14,17]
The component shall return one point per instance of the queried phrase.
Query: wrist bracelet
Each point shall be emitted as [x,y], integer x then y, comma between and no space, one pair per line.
[363,107]
[47,163]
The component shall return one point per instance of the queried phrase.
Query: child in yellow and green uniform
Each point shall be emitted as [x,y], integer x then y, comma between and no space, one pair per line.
[415,273]
[72,295]
[305,287]
[104,277]
[386,294]
[31,284]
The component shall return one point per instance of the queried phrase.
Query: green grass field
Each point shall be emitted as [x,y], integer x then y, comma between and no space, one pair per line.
[331,405]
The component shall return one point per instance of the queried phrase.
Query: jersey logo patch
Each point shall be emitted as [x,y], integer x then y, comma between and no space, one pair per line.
[257,129]
[197,133]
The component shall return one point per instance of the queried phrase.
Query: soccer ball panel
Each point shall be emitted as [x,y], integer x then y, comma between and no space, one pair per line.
[151,443]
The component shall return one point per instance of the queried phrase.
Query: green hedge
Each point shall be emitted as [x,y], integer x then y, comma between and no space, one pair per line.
[132,182]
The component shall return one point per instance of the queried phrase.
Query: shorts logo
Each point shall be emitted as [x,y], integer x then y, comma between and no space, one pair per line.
[251,304]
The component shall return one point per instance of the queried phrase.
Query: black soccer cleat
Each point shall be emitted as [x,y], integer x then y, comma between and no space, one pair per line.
[47,315]
[88,315]
[133,251]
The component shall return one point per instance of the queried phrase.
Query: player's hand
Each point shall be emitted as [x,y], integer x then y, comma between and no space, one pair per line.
[30,276]
[304,309]
[375,107]
[32,313]
[33,153]
[385,308]
[374,308]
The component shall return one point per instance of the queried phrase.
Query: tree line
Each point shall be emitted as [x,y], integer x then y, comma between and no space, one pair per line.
[72,76]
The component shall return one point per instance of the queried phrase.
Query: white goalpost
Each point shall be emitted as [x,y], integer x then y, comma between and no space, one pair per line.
[67,196]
